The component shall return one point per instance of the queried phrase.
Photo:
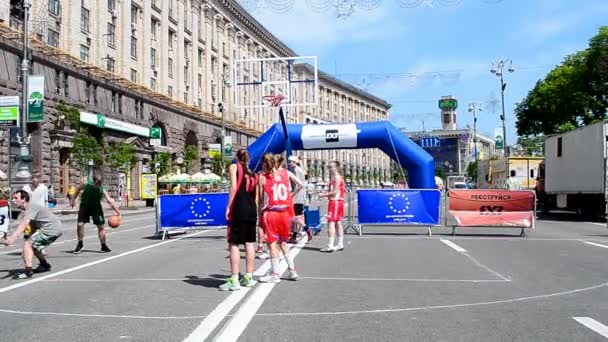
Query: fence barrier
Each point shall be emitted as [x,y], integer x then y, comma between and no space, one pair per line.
[492,208]
[191,211]
[414,207]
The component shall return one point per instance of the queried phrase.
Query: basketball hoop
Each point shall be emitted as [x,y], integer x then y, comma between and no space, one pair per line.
[274,100]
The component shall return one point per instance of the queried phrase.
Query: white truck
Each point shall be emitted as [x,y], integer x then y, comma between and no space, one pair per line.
[573,174]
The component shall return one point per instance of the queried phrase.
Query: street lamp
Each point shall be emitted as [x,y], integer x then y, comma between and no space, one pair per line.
[226,83]
[498,68]
[474,108]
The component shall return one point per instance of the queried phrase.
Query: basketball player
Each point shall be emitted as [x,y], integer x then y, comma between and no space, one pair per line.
[276,215]
[242,216]
[299,200]
[335,209]
[46,228]
[90,207]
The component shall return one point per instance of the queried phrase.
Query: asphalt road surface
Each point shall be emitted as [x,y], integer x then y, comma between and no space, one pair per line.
[391,284]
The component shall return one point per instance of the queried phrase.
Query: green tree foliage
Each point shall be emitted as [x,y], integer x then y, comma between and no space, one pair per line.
[71,114]
[532,145]
[86,149]
[190,155]
[440,172]
[472,170]
[120,156]
[573,94]
[163,160]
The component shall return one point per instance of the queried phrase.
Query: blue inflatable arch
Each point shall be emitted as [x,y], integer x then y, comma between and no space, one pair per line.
[380,134]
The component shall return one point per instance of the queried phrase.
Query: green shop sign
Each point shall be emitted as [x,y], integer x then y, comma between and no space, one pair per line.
[35,112]
[101,121]
[9,111]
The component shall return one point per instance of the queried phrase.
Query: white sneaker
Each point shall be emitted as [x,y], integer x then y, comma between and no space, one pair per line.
[270,278]
[339,248]
[263,256]
[292,275]
[328,249]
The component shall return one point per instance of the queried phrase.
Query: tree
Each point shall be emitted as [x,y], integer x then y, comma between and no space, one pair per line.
[532,145]
[190,155]
[163,162]
[472,170]
[573,94]
[440,172]
[120,156]
[217,162]
[86,150]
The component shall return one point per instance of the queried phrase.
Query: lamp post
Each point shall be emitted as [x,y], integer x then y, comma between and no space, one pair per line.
[473,108]
[220,106]
[498,70]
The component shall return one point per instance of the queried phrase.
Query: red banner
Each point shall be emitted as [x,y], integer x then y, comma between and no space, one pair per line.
[506,208]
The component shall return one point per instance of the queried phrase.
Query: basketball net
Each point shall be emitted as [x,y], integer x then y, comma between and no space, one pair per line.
[274,100]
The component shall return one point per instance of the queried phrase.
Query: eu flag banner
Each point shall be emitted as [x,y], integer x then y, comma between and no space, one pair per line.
[410,207]
[192,210]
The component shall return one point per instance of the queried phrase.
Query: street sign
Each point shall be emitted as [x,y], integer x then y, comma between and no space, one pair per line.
[498,138]
[35,98]
[155,136]
[9,111]
[228,147]
[215,150]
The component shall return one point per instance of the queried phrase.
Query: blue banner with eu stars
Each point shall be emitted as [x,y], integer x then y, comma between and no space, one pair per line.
[192,210]
[408,207]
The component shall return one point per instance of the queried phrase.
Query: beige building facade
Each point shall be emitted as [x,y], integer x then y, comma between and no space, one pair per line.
[185,50]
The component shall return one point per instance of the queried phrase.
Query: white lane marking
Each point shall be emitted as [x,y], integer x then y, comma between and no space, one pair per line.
[112,232]
[597,224]
[478,263]
[93,263]
[450,306]
[422,280]
[453,245]
[44,313]
[237,323]
[593,325]
[595,244]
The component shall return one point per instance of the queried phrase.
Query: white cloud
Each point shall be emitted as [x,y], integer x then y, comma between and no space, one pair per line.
[311,33]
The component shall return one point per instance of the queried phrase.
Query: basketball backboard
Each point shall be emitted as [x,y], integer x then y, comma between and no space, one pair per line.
[295,78]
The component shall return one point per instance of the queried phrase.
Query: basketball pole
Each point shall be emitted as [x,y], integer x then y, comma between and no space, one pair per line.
[284,125]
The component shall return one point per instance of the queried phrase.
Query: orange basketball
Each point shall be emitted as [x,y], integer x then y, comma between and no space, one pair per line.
[114,221]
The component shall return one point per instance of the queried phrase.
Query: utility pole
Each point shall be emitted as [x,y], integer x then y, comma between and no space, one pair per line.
[23,175]
[473,107]
[498,69]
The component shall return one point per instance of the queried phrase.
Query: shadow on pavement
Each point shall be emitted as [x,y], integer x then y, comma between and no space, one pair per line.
[213,282]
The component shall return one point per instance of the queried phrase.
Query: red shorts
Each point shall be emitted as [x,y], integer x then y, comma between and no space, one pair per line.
[335,211]
[276,225]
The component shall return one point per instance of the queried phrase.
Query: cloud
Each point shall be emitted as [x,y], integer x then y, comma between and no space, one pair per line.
[312,33]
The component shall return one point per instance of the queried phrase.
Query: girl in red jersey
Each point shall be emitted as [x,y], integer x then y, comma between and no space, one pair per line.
[276,215]
[241,214]
[335,210]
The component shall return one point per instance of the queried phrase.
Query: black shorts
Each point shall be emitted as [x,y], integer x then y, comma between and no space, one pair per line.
[240,233]
[85,214]
[298,209]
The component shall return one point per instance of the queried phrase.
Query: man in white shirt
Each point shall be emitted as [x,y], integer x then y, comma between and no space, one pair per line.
[39,193]
[300,198]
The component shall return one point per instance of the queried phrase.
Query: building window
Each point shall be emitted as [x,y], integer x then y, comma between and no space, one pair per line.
[153,57]
[200,57]
[200,103]
[134,10]
[201,23]
[111,5]
[134,75]
[111,34]
[170,91]
[171,9]
[110,64]
[84,19]
[54,7]
[185,97]
[153,28]
[513,173]
[170,67]
[113,101]
[94,92]
[84,53]
[66,82]
[133,47]
[87,92]
[559,147]
[186,78]
[171,38]
[153,84]
[200,82]
[119,103]
[53,38]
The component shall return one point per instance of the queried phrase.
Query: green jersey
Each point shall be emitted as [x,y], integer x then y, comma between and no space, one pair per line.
[91,196]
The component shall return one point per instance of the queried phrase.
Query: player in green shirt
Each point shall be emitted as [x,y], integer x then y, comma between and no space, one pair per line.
[90,207]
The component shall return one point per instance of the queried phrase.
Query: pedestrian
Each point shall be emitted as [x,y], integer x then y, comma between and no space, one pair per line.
[38,194]
[90,207]
[46,228]
[299,200]
[241,214]
[276,215]
[335,207]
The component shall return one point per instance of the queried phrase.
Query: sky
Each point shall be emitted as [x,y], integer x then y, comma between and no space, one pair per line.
[412,56]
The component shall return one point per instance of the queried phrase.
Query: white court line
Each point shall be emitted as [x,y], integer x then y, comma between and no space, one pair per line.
[478,263]
[597,224]
[436,307]
[453,245]
[593,325]
[93,263]
[46,313]
[240,320]
[85,238]
[595,244]
[422,280]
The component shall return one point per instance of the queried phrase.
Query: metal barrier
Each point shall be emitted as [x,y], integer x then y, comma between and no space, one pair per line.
[491,208]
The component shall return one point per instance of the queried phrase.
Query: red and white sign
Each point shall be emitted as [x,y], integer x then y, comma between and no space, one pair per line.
[494,208]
